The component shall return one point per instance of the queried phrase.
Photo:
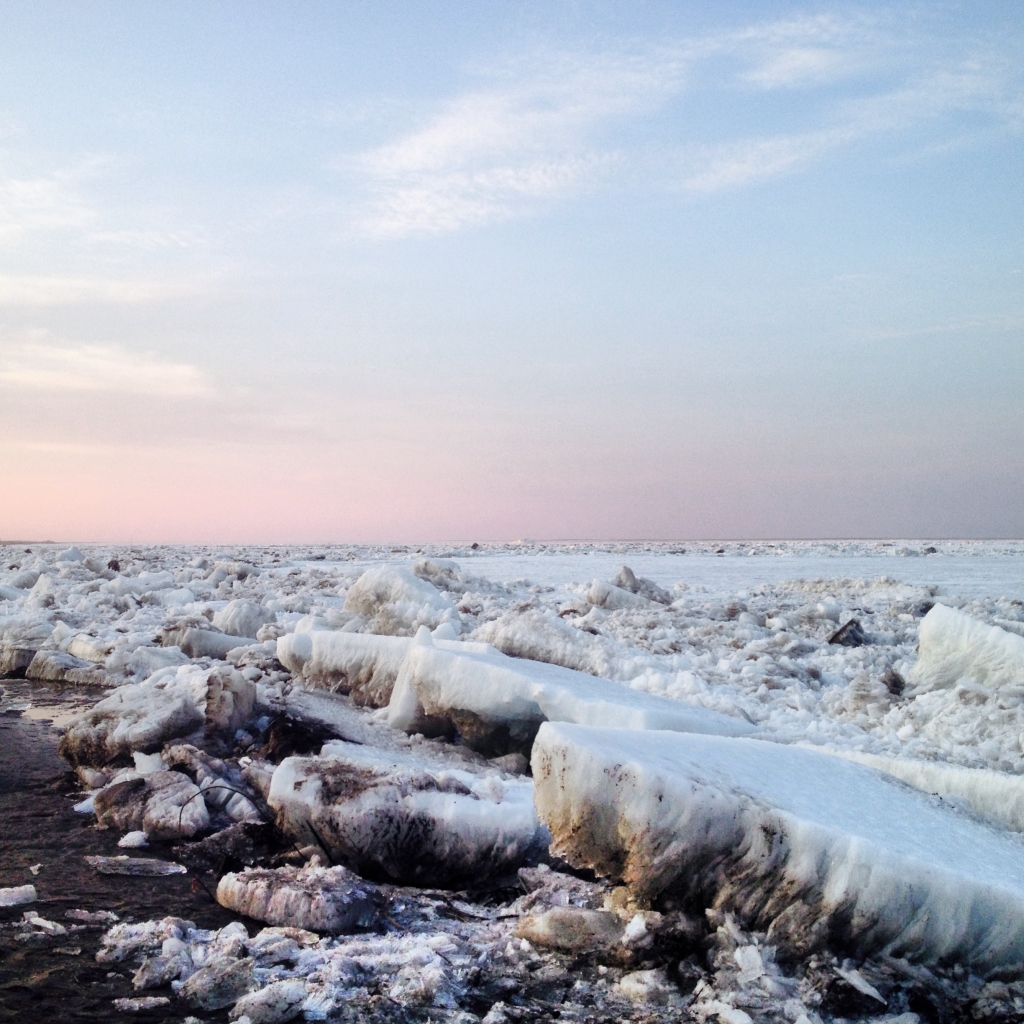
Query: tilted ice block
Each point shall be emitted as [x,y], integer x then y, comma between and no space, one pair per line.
[143,716]
[954,646]
[403,816]
[361,664]
[814,849]
[496,701]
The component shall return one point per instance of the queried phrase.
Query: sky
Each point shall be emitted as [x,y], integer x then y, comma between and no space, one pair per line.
[427,271]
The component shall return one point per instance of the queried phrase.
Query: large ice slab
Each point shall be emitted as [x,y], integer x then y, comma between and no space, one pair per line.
[815,849]
[496,701]
[998,797]
[954,646]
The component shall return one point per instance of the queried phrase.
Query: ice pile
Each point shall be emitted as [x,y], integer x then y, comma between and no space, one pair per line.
[768,781]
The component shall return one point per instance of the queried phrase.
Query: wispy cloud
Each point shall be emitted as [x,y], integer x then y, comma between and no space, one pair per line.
[545,129]
[490,154]
[28,204]
[39,366]
[43,290]
[741,162]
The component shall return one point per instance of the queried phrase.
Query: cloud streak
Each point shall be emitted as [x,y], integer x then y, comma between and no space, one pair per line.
[493,154]
[545,129]
[37,366]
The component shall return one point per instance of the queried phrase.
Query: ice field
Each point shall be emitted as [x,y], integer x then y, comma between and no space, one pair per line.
[736,780]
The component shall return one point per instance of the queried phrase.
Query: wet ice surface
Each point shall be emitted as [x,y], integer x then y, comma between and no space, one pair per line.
[744,634]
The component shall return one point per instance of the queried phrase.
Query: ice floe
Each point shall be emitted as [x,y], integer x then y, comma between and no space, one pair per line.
[811,848]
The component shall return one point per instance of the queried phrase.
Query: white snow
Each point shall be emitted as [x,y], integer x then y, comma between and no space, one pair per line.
[787,837]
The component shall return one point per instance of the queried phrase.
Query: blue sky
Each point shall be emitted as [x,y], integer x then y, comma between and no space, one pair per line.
[418,271]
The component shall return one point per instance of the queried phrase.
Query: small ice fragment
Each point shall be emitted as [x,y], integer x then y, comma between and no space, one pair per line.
[853,977]
[446,631]
[18,894]
[749,961]
[134,866]
[85,807]
[91,916]
[133,841]
[41,924]
[138,1004]
[147,764]
[35,868]
[635,930]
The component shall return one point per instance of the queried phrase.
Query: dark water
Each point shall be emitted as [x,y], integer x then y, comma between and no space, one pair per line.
[38,826]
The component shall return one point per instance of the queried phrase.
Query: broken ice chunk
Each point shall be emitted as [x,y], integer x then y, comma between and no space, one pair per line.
[141,1004]
[219,984]
[174,702]
[138,866]
[133,841]
[397,602]
[163,805]
[16,895]
[798,843]
[318,899]
[571,928]
[403,816]
[361,664]
[280,1001]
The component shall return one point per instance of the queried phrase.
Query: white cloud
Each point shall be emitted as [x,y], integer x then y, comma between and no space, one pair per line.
[545,129]
[42,290]
[491,154]
[750,159]
[30,204]
[44,367]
